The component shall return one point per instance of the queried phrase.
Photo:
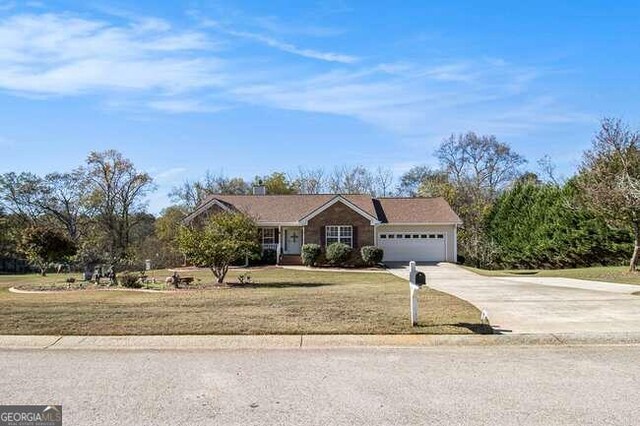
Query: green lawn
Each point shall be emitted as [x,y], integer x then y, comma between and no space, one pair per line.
[282,302]
[614,274]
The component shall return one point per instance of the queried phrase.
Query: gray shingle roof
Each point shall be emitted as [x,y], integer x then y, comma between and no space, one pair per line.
[292,208]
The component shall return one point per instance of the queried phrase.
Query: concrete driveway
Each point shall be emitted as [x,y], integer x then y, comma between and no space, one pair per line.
[539,305]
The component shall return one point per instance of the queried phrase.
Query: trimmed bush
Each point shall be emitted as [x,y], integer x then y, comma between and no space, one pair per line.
[338,253]
[129,280]
[311,254]
[371,255]
[269,257]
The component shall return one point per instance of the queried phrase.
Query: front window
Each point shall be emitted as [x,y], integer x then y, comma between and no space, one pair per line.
[268,236]
[340,234]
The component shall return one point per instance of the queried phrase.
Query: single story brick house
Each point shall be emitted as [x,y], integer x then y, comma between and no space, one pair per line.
[420,229]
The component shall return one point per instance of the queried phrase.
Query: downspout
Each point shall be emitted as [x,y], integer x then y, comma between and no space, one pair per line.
[302,242]
[455,243]
[375,234]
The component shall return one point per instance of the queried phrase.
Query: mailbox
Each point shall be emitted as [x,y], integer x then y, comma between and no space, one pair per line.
[417,280]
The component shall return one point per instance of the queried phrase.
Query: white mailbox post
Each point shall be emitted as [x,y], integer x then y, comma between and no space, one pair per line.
[416,281]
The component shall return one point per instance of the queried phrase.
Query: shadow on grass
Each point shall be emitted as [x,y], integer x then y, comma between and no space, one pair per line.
[279,285]
[523,272]
[475,328]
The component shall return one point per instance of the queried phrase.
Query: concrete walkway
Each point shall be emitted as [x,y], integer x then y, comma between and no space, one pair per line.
[539,305]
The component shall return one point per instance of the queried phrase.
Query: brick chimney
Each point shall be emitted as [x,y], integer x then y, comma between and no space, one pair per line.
[259,189]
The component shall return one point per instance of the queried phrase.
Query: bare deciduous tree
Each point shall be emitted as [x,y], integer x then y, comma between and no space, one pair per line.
[548,170]
[410,181]
[474,170]
[311,181]
[610,177]
[117,192]
[357,180]
[335,180]
[19,194]
[383,182]
[191,193]
[480,161]
[351,180]
[64,198]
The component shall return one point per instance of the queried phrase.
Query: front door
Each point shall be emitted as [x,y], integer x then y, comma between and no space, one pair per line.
[292,240]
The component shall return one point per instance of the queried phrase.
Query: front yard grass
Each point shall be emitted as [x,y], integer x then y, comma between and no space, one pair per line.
[613,274]
[281,302]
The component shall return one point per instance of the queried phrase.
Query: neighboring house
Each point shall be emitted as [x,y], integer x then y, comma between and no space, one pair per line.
[420,229]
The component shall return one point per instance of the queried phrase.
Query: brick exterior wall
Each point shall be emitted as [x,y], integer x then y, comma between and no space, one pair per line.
[339,214]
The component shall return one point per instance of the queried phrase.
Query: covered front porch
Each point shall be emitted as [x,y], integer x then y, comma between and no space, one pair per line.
[286,241]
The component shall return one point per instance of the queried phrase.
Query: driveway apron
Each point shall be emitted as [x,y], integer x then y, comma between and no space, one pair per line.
[536,304]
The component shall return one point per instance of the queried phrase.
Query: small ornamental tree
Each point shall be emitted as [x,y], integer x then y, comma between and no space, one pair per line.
[43,245]
[225,238]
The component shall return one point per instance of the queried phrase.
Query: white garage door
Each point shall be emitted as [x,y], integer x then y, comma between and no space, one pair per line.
[421,247]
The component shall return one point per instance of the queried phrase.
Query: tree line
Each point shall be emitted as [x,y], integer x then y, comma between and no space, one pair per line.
[513,217]
[95,214]
[340,180]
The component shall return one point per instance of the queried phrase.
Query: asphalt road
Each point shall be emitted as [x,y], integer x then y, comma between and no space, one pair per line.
[497,385]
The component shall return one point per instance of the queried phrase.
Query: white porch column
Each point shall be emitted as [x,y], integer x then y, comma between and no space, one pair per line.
[279,250]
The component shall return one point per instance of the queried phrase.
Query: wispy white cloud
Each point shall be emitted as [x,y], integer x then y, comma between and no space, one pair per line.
[274,25]
[35,4]
[180,106]
[419,101]
[290,48]
[278,44]
[62,54]
[170,175]
[149,63]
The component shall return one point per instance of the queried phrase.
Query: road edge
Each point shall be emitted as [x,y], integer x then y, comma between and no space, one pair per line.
[220,342]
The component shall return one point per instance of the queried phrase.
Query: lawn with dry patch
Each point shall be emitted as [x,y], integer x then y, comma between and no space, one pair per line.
[280,301]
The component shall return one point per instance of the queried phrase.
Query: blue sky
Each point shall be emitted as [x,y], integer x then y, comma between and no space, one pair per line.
[252,87]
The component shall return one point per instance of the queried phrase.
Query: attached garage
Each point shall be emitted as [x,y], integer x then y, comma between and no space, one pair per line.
[421,247]
[420,229]
[419,243]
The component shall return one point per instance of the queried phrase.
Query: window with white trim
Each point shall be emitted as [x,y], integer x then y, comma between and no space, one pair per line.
[268,236]
[339,234]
